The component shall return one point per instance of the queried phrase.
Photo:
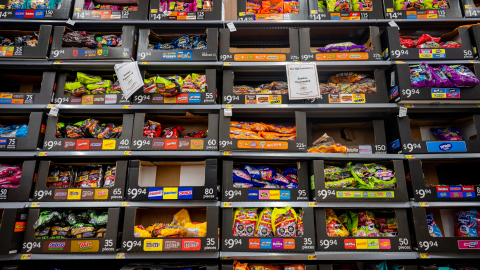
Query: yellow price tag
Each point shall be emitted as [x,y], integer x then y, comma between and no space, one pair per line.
[472,61]
[125,204]
[400,62]
[120,256]
[227,64]
[225,258]
[410,156]
[409,106]
[42,154]
[312,204]
[57,62]
[298,63]
[127,153]
[312,257]
[229,106]
[424,255]
[145,63]
[227,204]
[35,204]
[49,106]
[127,106]
[424,204]
[26,257]
[227,153]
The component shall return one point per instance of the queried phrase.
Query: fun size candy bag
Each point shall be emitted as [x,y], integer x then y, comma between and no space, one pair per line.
[245,222]
[433,229]
[284,222]
[466,223]
[264,225]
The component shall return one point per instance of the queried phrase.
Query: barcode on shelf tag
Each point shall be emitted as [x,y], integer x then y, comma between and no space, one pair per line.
[231,27]
[402,112]
[228,112]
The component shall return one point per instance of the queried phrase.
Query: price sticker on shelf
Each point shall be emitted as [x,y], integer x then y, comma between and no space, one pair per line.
[71,22]
[120,256]
[35,204]
[231,26]
[312,204]
[312,257]
[127,106]
[227,204]
[228,112]
[424,204]
[125,204]
[410,156]
[424,255]
[226,153]
[127,153]
[26,257]
[229,106]
[225,258]
[50,106]
[42,154]
[409,106]
[227,64]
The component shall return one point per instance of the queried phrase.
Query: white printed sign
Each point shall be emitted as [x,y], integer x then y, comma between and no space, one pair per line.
[302,81]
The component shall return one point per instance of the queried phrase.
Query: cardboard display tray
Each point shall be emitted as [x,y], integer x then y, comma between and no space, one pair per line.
[53,143]
[12,230]
[400,243]
[364,136]
[270,45]
[232,194]
[298,145]
[191,123]
[125,52]
[107,244]
[231,79]
[97,99]
[236,10]
[62,12]
[403,92]
[322,194]
[314,38]
[445,220]
[317,14]
[35,133]
[208,97]
[32,87]
[231,243]
[22,192]
[172,180]
[25,52]
[52,194]
[140,14]
[413,136]
[209,13]
[443,180]
[474,31]
[379,97]
[145,216]
[392,50]
[453,12]
[146,36]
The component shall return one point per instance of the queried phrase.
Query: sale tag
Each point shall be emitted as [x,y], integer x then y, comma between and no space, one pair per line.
[424,204]
[228,112]
[225,258]
[50,106]
[402,112]
[120,256]
[227,64]
[127,153]
[229,106]
[227,153]
[53,112]
[71,22]
[127,106]
[42,154]
[231,27]
[312,204]
[409,106]
[393,24]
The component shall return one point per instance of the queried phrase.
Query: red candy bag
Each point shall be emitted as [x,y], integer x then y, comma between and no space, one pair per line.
[426,37]
[172,132]
[407,43]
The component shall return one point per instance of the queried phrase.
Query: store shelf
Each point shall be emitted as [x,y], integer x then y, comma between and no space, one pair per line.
[68,256]
[300,23]
[449,255]
[309,156]
[92,65]
[265,204]
[26,64]
[173,255]
[75,204]
[322,65]
[450,22]
[173,203]
[443,156]
[164,109]
[366,256]
[438,61]
[128,154]
[435,108]
[5,205]
[10,257]
[364,204]
[258,256]
[17,154]
[179,66]
[445,204]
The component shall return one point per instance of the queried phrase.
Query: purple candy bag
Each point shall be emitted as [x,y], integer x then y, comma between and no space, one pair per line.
[358,48]
[441,80]
[420,76]
[460,75]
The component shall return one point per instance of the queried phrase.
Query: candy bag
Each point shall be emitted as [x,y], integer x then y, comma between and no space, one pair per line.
[239,176]
[321,6]
[196,229]
[264,225]
[109,180]
[334,227]
[447,134]
[280,129]
[460,75]
[425,38]
[291,174]
[240,266]
[420,76]
[259,172]
[87,79]
[245,222]
[300,223]
[290,6]
[433,229]
[272,7]
[181,218]
[339,5]
[284,222]
[362,5]
[362,224]
[89,176]
[441,80]
[465,223]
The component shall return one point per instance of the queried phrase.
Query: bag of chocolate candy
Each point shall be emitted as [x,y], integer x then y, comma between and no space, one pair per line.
[110,177]
[89,176]
[60,176]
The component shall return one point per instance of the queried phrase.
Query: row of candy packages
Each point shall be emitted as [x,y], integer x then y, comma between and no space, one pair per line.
[83,39]
[88,128]
[152,129]
[86,84]
[348,83]
[33,4]
[361,223]
[261,266]
[345,5]
[10,175]
[359,176]
[427,41]
[54,224]
[273,88]
[272,7]
[181,226]
[279,222]
[91,5]
[249,176]
[326,144]
[185,5]
[172,85]
[420,4]
[343,47]
[261,131]
[424,75]
[87,176]
[26,40]
[13,131]
[183,42]
[467,224]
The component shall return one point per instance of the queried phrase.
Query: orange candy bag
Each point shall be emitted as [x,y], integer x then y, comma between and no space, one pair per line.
[282,129]
[290,6]
[278,136]
[272,7]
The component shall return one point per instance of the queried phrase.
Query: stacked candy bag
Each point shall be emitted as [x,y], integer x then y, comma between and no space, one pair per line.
[184,42]
[86,84]
[272,7]
[264,177]
[83,39]
[10,175]
[424,75]
[361,223]
[274,88]
[344,5]
[359,176]
[27,40]
[427,41]
[326,144]
[13,131]
[181,226]
[279,222]
[420,4]
[185,5]
[173,85]
[91,5]
[261,131]
[343,47]
[447,134]
[89,128]
[33,4]
[152,129]
[348,83]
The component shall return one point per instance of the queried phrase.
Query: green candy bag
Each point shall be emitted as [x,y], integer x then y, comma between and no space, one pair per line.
[321,6]
[87,79]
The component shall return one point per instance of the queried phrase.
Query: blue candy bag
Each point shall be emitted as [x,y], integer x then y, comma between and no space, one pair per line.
[433,229]
[259,172]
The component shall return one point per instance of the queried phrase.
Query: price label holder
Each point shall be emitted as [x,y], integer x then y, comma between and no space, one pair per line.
[424,204]
[127,153]
[124,204]
[312,257]
[226,204]
[231,26]
[53,112]
[312,204]
[26,257]
[424,255]
[228,111]
[127,106]
[120,256]
[393,24]
[42,154]
[227,153]
[35,204]
[410,157]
